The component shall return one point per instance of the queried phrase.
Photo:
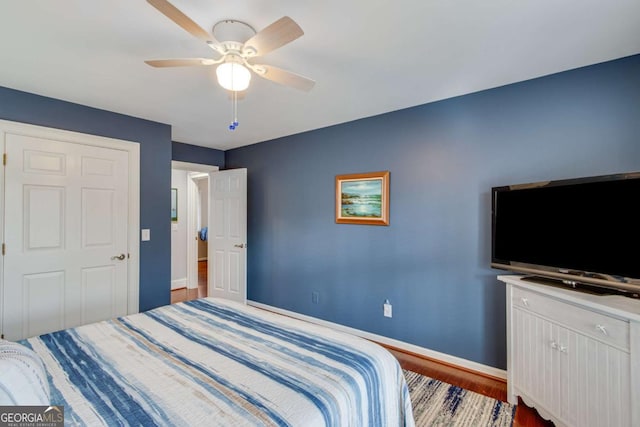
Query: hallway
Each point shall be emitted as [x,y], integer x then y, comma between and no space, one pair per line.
[185,294]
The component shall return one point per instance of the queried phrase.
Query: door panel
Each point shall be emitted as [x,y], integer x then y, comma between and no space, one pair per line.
[44,163]
[92,166]
[218,270]
[98,286]
[43,302]
[43,217]
[218,219]
[98,214]
[235,262]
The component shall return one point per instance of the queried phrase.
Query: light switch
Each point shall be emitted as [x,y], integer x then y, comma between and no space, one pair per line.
[146,234]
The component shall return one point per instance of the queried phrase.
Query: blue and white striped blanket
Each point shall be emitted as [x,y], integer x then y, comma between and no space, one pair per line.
[215,362]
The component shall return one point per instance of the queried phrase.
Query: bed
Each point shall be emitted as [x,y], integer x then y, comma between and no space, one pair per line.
[216,362]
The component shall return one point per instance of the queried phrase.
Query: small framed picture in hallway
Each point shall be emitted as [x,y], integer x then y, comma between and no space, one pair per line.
[174,204]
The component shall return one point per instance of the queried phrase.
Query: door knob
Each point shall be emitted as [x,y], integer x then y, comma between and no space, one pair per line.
[120,257]
[241,245]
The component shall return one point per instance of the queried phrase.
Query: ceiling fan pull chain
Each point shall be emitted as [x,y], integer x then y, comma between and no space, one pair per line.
[234,123]
[235,109]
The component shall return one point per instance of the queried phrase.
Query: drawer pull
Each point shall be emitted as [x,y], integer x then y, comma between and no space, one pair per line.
[554,345]
[563,349]
[525,301]
[602,329]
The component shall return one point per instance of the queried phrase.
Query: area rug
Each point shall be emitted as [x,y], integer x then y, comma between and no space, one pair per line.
[436,403]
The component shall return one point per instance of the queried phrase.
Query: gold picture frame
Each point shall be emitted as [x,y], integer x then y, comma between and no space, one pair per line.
[363,198]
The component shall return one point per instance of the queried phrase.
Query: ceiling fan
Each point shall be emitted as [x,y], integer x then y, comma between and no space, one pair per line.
[235,56]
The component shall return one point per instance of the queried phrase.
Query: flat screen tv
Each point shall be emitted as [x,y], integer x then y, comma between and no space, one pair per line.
[576,232]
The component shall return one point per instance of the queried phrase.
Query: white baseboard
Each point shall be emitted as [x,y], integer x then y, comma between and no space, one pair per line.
[179,283]
[443,357]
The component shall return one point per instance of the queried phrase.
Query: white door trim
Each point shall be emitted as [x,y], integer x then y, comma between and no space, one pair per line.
[198,171]
[133,149]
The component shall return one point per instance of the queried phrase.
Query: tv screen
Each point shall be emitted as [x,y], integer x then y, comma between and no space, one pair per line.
[586,229]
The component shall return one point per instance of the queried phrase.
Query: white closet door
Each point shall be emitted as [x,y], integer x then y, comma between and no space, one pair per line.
[65,234]
[228,234]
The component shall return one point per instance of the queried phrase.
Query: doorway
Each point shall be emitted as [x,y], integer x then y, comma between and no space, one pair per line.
[202,225]
[189,231]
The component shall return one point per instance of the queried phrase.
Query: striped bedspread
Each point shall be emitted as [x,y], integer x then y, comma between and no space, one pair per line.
[215,362]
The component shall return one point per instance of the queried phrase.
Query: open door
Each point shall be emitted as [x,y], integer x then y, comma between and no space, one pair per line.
[227,235]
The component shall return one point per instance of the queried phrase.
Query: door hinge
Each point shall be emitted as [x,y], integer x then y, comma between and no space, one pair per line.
[4,159]
[3,247]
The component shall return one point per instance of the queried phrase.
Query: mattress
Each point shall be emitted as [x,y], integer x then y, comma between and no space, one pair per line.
[216,362]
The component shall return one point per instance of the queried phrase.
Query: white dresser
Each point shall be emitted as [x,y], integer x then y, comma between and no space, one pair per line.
[573,356]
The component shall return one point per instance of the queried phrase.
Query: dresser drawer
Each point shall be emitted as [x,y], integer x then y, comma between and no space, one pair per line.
[599,326]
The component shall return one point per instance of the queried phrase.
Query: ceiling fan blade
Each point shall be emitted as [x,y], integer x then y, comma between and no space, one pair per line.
[173,13]
[284,77]
[189,62]
[281,32]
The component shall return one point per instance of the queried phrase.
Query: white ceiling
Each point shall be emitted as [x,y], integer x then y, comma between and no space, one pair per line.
[367,56]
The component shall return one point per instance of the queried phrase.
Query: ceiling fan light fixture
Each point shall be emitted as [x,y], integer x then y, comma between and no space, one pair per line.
[233,76]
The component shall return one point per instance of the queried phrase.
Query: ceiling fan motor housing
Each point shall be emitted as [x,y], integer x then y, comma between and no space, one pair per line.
[232,29]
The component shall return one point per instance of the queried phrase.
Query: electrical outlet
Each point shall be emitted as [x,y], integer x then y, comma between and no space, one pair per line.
[387,309]
[315,297]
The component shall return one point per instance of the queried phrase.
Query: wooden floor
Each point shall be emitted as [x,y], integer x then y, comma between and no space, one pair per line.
[185,294]
[495,388]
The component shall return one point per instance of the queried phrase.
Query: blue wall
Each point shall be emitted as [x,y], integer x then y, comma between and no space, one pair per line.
[155,173]
[432,262]
[196,154]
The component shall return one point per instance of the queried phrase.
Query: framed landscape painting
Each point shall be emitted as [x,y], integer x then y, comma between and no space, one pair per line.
[363,198]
